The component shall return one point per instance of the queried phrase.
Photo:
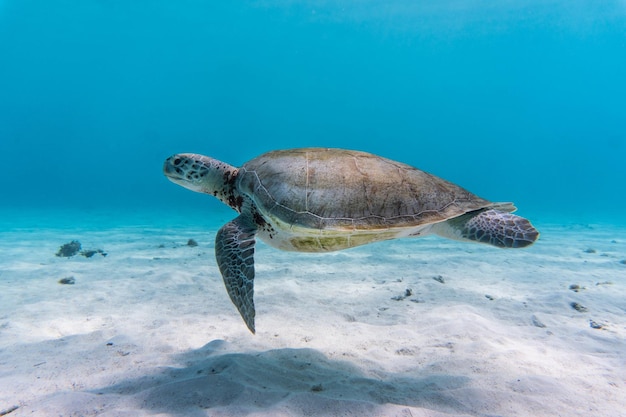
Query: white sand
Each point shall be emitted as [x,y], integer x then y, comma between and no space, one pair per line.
[149,330]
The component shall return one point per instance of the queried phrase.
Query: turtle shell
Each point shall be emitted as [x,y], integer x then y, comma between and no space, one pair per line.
[336,189]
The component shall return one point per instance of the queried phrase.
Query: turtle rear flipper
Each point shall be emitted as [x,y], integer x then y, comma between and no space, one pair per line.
[494,227]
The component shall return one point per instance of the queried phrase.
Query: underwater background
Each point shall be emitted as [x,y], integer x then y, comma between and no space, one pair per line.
[521,101]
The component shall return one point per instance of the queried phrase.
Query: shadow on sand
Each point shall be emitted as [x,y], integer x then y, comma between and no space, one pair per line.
[298,381]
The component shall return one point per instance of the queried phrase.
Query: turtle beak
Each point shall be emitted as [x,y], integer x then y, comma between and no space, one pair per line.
[171,170]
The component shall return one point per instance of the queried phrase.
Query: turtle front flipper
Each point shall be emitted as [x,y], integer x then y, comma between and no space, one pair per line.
[234,250]
[494,227]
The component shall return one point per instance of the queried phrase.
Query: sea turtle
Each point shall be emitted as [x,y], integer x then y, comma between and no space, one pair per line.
[322,200]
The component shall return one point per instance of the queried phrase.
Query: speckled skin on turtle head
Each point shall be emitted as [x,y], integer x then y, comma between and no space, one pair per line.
[320,199]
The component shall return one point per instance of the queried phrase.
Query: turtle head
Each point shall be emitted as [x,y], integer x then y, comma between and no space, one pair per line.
[204,175]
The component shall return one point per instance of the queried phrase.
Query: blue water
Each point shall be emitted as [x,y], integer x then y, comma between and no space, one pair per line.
[520,101]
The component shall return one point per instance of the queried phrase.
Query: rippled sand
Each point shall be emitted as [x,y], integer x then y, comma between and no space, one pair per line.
[424,327]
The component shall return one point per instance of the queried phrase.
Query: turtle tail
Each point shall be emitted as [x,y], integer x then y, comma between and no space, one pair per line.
[494,227]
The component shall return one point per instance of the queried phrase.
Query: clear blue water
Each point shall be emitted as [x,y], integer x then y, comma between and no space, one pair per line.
[520,101]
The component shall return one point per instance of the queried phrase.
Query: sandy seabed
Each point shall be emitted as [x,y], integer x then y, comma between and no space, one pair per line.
[420,327]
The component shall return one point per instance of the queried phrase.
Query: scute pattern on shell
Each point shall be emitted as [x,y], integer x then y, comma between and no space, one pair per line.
[321,188]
